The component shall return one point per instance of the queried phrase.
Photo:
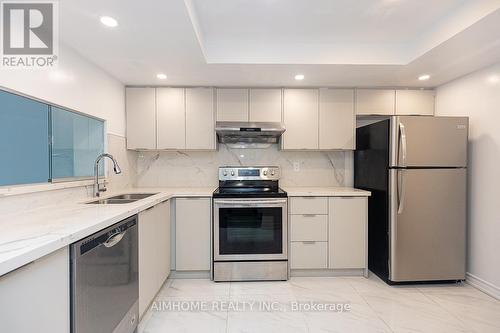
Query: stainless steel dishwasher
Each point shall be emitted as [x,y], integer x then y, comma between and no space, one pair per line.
[104,280]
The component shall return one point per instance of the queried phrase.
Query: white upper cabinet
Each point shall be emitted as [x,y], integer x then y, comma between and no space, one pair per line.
[415,102]
[200,119]
[171,118]
[265,105]
[141,118]
[375,101]
[300,114]
[232,104]
[336,119]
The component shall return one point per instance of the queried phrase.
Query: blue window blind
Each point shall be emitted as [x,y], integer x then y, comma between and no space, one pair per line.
[77,140]
[24,135]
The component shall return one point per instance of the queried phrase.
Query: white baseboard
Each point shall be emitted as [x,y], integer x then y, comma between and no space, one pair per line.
[189,275]
[484,286]
[326,272]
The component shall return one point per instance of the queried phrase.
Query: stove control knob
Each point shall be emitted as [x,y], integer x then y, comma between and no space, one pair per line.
[272,172]
[232,173]
[225,173]
[265,173]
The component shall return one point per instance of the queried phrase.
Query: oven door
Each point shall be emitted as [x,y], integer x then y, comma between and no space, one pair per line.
[250,229]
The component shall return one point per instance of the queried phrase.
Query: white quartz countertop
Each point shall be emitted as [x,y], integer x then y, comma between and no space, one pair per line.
[30,235]
[325,192]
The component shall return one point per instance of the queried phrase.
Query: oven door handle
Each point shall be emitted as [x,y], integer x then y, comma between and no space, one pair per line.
[250,202]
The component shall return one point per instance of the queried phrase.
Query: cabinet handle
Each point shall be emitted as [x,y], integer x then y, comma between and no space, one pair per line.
[309,215]
[309,242]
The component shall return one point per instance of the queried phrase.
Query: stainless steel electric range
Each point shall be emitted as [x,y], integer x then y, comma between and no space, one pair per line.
[250,226]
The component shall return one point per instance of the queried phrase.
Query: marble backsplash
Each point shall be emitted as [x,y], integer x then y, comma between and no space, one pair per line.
[197,168]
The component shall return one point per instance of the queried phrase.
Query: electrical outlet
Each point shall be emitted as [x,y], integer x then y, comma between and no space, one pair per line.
[296,166]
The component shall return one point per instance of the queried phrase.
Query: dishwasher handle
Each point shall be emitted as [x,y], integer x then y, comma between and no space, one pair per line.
[108,237]
[114,239]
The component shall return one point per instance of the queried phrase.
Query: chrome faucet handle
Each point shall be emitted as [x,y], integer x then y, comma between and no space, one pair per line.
[116,168]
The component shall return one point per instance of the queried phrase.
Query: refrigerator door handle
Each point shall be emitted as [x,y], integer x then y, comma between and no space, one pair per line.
[401,190]
[402,141]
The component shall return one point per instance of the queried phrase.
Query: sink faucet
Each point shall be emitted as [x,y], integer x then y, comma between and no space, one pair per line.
[116,168]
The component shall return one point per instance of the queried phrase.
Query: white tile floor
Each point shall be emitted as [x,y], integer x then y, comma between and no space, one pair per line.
[375,307]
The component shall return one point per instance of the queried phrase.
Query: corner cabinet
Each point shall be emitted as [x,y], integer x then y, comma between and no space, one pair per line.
[35,297]
[141,118]
[154,252]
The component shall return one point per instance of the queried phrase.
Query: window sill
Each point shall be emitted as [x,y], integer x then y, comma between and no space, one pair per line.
[6,191]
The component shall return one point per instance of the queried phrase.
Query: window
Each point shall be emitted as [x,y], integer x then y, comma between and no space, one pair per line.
[24,140]
[27,154]
[76,142]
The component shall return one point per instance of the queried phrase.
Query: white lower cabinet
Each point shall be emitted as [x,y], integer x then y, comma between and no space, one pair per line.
[154,252]
[328,232]
[309,205]
[347,234]
[309,227]
[35,298]
[309,255]
[192,234]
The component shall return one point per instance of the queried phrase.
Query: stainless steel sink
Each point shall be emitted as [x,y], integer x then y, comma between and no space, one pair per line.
[122,198]
[132,196]
[112,201]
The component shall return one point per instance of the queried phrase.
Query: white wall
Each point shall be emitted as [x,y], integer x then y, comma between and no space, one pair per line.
[76,84]
[477,95]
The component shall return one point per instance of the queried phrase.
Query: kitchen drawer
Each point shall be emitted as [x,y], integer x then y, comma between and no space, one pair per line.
[309,205]
[309,255]
[309,227]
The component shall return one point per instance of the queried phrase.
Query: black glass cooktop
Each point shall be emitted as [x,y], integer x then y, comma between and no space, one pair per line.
[249,192]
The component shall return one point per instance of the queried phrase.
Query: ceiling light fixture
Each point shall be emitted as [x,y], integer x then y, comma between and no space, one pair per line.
[161,76]
[494,79]
[109,21]
[424,77]
[299,77]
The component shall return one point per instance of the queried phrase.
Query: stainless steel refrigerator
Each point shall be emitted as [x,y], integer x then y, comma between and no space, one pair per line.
[416,169]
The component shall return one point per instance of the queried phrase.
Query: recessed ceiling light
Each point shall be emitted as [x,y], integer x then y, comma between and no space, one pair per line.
[161,76]
[109,21]
[424,77]
[494,79]
[299,77]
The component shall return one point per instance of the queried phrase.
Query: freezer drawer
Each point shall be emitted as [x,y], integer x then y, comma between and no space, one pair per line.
[427,224]
[422,141]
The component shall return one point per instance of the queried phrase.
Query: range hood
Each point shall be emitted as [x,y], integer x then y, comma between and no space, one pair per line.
[248,134]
